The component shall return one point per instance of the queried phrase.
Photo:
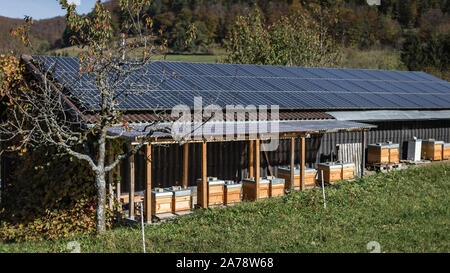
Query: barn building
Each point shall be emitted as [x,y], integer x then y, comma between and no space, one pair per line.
[342,106]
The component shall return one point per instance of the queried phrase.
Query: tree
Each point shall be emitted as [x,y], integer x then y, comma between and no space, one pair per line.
[412,52]
[39,114]
[292,40]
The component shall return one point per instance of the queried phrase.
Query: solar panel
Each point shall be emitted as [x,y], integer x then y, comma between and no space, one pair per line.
[164,84]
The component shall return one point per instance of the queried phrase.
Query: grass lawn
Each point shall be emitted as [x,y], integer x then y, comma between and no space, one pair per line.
[404,211]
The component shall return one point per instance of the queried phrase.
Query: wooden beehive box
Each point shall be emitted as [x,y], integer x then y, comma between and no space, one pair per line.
[348,170]
[215,194]
[249,188]
[233,192]
[383,153]
[310,177]
[332,172]
[276,186]
[446,151]
[181,199]
[432,149]
[161,201]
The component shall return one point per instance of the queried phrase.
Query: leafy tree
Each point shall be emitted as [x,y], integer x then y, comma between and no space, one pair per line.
[412,51]
[292,40]
[40,115]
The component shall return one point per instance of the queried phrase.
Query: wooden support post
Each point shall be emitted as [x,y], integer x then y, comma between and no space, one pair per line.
[131,189]
[363,152]
[302,163]
[257,164]
[148,185]
[292,162]
[251,162]
[204,190]
[185,165]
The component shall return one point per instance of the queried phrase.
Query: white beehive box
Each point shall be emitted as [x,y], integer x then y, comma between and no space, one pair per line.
[414,149]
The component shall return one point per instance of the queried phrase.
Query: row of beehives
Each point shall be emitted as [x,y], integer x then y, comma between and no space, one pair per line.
[226,192]
[388,153]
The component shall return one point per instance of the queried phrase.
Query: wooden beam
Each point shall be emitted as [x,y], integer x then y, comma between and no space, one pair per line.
[148,185]
[257,164]
[292,162]
[363,151]
[204,190]
[131,189]
[251,161]
[185,165]
[302,163]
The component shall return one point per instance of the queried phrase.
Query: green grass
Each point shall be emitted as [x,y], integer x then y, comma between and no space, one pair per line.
[405,211]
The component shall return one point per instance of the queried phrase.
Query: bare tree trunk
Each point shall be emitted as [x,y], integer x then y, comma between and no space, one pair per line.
[101,202]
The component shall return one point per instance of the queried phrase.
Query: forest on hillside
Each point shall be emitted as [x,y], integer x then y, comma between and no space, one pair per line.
[420,29]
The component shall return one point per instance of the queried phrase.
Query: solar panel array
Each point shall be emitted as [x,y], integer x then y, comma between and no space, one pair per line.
[162,85]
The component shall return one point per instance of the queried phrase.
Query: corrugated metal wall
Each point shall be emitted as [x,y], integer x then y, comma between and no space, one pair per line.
[228,160]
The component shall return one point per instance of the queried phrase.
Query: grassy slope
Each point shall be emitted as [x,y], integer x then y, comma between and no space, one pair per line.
[405,211]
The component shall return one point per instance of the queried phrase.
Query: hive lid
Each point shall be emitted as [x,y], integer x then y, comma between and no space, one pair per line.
[232,185]
[384,145]
[252,180]
[331,165]
[277,181]
[157,192]
[213,181]
[349,164]
[432,140]
[446,144]
[179,191]
[296,170]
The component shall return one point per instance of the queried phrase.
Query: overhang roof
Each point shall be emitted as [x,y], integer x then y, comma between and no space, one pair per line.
[391,115]
[212,131]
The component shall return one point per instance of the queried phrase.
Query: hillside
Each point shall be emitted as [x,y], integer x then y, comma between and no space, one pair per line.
[45,33]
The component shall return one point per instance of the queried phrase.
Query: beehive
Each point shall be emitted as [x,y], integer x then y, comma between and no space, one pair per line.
[310,177]
[432,149]
[383,153]
[249,188]
[414,149]
[181,199]
[161,201]
[215,194]
[332,172]
[276,186]
[233,192]
[446,151]
[348,171]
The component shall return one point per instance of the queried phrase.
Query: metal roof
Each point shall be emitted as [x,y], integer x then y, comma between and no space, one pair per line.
[215,130]
[383,115]
[162,85]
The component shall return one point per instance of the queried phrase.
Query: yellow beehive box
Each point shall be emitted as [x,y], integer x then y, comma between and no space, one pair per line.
[215,194]
[233,192]
[249,188]
[446,151]
[310,177]
[332,172]
[161,201]
[276,186]
[383,153]
[348,171]
[181,199]
[432,149]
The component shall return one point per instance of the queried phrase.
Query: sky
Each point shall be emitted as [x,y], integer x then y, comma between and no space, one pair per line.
[40,9]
